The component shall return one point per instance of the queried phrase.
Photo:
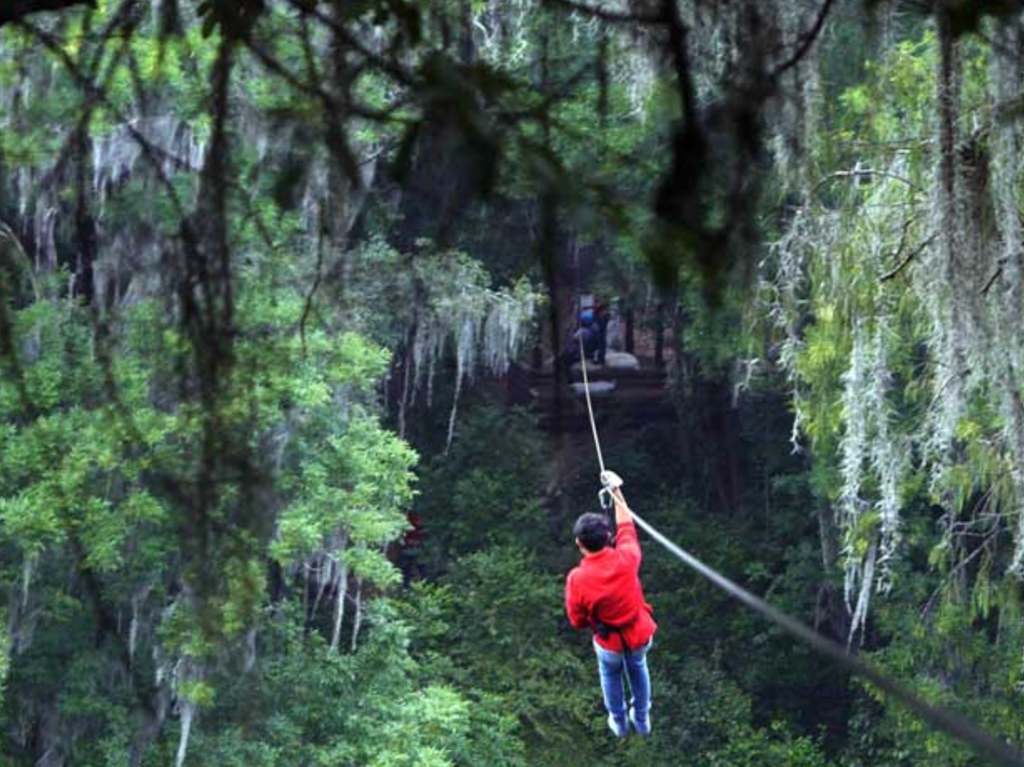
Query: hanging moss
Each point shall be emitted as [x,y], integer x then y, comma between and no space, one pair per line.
[916,245]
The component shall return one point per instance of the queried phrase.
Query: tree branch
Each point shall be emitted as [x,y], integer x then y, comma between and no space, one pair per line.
[677,33]
[807,40]
[332,106]
[15,10]
[866,173]
[910,257]
[959,567]
[995,276]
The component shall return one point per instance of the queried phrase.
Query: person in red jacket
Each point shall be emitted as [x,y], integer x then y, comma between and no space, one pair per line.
[604,593]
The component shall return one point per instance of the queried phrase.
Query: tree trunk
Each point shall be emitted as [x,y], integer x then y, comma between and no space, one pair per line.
[357,620]
[406,366]
[340,590]
[549,262]
[830,610]
[659,336]
[152,723]
[828,534]
[85,226]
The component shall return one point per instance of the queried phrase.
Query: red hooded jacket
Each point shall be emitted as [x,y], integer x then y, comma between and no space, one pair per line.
[606,587]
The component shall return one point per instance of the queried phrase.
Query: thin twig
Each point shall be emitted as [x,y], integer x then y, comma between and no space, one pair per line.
[385,65]
[858,172]
[331,105]
[995,276]
[910,257]
[952,573]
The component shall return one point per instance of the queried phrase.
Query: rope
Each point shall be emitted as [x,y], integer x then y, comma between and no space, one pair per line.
[590,407]
[939,717]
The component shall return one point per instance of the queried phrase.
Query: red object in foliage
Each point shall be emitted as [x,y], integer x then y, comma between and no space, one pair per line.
[414,537]
[606,587]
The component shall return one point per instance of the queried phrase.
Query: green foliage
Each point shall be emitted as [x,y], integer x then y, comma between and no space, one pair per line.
[310,705]
[776,746]
[358,482]
[172,538]
[496,465]
[91,482]
[944,609]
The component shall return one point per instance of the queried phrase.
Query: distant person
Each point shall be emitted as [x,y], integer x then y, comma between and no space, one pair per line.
[589,333]
[604,593]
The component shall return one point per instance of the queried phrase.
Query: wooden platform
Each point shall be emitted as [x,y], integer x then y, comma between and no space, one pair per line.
[639,396]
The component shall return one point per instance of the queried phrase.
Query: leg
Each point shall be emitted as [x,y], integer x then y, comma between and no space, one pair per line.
[640,688]
[609,666]
[602,343]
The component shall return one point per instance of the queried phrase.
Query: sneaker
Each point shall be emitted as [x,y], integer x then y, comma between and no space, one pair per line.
[619,730]
[642,728]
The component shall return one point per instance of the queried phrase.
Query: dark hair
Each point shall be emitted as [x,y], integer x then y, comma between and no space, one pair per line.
[593,531]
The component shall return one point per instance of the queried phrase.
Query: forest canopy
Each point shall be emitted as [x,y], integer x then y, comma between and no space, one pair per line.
[291,446]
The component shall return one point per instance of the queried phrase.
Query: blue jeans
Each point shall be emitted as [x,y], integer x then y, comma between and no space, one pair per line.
[610,666]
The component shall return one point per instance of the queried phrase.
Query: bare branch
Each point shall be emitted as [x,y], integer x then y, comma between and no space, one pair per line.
[982,548]
[995,276]
[807,40]
[392,68]
[677,38]
[864,173]
[910,257]
[16,10]
[331,105]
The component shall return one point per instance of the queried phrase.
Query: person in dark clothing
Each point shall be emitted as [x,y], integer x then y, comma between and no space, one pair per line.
[603,593]
[590,333]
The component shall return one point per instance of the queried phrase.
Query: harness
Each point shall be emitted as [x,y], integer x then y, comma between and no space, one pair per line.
[605,630]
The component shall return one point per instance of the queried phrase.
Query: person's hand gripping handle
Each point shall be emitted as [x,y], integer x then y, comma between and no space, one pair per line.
[612,489]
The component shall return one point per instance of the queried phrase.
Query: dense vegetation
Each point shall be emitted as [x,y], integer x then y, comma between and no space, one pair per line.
[270,271]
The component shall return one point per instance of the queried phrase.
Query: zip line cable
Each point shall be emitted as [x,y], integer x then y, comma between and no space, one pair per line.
[939,717]
[590,408]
